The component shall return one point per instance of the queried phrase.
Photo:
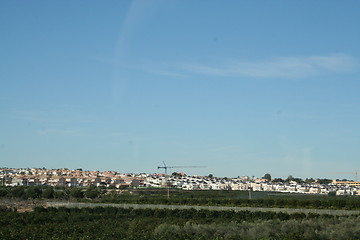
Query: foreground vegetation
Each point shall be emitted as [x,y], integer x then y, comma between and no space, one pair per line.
[119,223]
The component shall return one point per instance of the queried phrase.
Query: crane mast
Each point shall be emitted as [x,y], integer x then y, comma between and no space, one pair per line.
[166,174]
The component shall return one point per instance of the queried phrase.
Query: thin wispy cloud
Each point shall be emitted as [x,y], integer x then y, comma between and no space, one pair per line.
[166,73]
[282,67]
[57,115]
[29,115]
[52,131]
[157,68]
[225,148]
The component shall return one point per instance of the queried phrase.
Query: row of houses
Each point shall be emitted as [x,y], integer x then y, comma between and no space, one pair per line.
[79,178]
[205,183]
[73,181]
[67,177]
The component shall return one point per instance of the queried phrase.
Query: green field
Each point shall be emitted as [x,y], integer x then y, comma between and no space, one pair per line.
[232,198]
[228,194]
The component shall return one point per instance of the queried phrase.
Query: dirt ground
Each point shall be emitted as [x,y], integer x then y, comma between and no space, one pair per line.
[20,205]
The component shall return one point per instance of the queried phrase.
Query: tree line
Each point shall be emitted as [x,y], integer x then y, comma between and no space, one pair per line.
[211,198]
[48,192]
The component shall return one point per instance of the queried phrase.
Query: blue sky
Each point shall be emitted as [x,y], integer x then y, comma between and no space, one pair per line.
[241,87]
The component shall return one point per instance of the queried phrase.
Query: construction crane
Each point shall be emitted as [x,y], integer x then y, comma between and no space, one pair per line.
[353,173]
[166,174]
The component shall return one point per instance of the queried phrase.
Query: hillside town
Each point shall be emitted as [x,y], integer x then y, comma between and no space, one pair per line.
[111,179]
